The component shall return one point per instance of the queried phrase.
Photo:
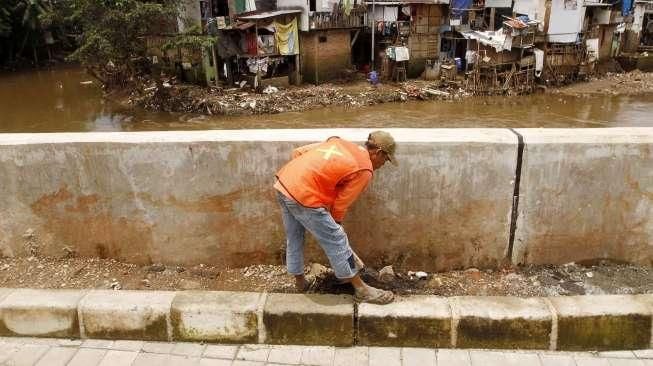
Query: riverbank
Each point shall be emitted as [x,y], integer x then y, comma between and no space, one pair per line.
[185,98]
[246,101]
[630,83]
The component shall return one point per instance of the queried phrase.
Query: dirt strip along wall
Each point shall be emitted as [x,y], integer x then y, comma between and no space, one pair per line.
[206,197]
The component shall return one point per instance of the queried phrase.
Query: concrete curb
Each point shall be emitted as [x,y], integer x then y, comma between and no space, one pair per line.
[605,322]
[216,316]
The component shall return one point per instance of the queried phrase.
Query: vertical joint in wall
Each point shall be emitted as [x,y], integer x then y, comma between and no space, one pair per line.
[515,196]
[553,337]
[356,336]
[260,311]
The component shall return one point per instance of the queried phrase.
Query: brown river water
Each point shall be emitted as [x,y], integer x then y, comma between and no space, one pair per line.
[56,101]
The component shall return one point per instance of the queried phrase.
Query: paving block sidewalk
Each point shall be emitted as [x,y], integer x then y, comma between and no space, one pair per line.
[93,352]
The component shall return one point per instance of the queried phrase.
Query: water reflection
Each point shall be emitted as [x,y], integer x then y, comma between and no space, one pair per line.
[57,100]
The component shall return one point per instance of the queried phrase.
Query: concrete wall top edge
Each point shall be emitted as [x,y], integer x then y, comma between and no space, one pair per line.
[406,135]
[587,135]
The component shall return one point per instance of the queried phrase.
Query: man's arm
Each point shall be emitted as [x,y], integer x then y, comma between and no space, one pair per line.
[351,187]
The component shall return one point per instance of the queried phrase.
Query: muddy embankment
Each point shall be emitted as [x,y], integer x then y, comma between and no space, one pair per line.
[630,83]
[175,97]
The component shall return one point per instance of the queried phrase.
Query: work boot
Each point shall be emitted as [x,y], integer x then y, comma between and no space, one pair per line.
[373,295]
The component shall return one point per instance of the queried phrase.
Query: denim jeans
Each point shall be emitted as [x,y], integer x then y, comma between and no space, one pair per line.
[329,234]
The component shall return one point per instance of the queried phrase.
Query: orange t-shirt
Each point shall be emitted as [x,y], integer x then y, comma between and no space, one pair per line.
[329,174]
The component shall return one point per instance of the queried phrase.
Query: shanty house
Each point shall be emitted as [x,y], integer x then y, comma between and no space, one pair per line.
[561,25]
[503,61]
[406,34]
[639,33]
[328,31]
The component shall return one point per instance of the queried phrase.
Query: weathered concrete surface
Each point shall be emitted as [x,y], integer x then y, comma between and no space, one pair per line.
[501,322]
[207,197]
[647,300]
[446,206]
[416,321]
[216,316]
[4,292]
[603,322]
[40,313]
[309,319]
[143,315]
[586,194]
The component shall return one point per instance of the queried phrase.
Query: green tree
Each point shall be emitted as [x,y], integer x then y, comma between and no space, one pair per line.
[22,27]
[5,19]
[32,11]
[113,46]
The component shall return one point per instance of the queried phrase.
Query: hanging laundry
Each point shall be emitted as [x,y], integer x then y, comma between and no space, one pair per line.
[347,6]
[256,65]
[250,5]
[287,38]
[252,44]
[390,13]
[458,7]
[401,53]
[539,61]
[470,57]
[266,44]
[378,13]
[626,7]
[240,6]
[390,29]
[390,53]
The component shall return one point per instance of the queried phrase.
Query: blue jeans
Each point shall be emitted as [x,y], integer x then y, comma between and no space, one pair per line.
[329,234]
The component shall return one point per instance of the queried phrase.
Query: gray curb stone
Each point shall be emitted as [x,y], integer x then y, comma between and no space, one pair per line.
[416,321]
[605,322]
[218,316]
[40,313]
[501,322]
[647,300]
[140,315]
[4,292]
[602,322]
[309,319]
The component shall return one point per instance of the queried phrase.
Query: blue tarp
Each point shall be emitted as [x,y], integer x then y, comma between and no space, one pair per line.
[457,7]
[626,7]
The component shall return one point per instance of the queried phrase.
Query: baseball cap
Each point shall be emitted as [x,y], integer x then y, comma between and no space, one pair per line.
[385,142]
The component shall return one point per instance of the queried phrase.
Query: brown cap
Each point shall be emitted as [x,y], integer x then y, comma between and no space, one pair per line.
[385,142]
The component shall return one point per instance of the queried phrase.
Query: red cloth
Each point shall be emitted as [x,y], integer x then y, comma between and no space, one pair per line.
[252,45]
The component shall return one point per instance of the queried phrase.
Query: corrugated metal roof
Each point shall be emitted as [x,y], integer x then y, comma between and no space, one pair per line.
[407,2]
[245,25]
[269,14]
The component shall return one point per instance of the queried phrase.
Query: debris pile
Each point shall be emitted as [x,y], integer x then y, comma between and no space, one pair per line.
[631,83]
[172,97]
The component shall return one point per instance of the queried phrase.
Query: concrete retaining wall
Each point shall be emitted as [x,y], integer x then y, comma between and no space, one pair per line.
[586,194]
[558,323]
[207,197]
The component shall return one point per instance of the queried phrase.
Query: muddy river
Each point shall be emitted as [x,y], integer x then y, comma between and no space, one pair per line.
[57,101]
